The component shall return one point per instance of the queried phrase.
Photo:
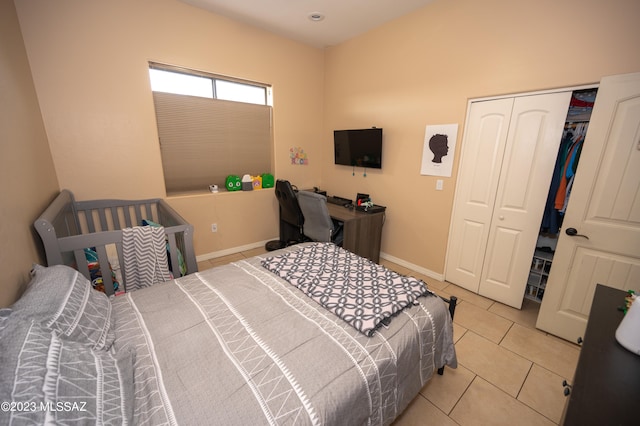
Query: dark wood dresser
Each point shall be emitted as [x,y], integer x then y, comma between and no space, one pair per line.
[606,386]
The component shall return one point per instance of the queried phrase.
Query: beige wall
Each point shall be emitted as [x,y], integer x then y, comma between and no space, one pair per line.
[90,67]
[423,68]
[28,179]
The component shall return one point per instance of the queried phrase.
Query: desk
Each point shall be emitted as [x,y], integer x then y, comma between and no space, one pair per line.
[606,386]
[362,231]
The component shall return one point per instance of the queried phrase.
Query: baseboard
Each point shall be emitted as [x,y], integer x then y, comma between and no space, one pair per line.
[233,250]
[383,255]
[424,271]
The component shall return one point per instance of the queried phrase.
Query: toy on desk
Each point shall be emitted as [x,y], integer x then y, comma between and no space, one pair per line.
[247,183]
[628,300]
[233,183]
[631,297]
[362,198]
[365,205]
[363,202]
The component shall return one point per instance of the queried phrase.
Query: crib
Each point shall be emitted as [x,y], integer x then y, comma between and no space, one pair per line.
[69,229]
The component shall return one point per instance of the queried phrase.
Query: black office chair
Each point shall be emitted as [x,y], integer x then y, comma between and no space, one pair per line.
[318,225]
[291,217]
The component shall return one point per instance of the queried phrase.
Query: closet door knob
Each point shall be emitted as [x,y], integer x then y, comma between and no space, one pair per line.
[573,232]
[501,217]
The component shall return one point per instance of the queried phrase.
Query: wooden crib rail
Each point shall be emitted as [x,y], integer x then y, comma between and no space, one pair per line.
[58,220]
[67,227]
[110,215]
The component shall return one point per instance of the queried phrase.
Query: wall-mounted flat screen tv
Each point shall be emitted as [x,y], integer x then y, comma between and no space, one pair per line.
[358,148]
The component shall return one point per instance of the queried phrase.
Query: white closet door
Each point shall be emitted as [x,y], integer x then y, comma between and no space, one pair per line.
[532,146]
[605,207]
[485,135]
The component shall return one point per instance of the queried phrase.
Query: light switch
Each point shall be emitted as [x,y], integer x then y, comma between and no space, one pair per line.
[439,184]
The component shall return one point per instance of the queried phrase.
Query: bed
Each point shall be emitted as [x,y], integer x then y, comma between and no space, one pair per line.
[88,235]
[243,343]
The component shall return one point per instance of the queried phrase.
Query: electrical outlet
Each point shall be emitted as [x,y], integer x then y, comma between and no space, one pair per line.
[214,227]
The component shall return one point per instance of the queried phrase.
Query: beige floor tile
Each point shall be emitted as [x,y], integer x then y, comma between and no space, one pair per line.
[432,283]
[438,291]
[397,268]
[485,404]
[543,392]
[574,345]
[543,350]
[421,412]
[500,367]
[444,292]
[467,296]
[388,264]
[458,332]
[525,316]
[483,322]
[445,391]
[204,265]
[223,260]
[254,252]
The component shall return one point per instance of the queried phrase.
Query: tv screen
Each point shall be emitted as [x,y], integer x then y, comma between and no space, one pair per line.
[358,148]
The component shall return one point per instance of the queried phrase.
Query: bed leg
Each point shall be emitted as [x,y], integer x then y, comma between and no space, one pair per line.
[452,301]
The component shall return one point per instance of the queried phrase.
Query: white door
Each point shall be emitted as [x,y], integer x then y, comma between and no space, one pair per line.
[532,146]
[485,135]
[509,152]
[604,207]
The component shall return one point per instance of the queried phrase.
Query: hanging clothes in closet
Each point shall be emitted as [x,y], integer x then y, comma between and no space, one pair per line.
[575,130]
[568,172]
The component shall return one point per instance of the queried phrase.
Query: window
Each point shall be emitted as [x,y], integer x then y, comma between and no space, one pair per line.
[180,84]
[210,127]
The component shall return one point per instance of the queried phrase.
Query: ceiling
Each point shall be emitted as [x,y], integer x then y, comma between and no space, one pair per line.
[340,19]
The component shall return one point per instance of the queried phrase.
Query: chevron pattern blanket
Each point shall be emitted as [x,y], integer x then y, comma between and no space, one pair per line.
[144,256]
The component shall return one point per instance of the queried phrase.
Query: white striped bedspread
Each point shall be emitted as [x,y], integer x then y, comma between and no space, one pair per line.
[237,345]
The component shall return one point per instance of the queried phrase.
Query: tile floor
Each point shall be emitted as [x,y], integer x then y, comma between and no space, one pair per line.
[508,371]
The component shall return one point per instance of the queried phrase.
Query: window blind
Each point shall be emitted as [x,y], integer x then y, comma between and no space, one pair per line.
[202,140]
